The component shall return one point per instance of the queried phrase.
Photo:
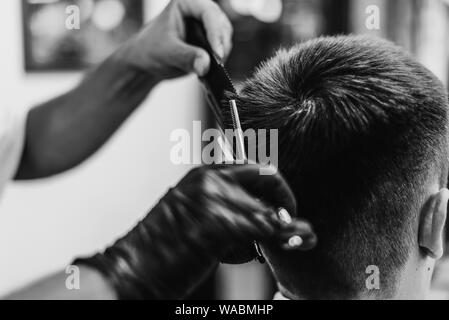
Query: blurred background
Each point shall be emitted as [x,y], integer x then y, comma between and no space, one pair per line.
[45,224]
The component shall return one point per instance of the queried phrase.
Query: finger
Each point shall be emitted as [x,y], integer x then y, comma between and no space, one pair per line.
[298,229]
[240,235]
[219,32]
[271,187]
[298,226]
[246,225]
[226,35]
[189,58]
[239,210]
[217,25]
[221,191]
[309,242]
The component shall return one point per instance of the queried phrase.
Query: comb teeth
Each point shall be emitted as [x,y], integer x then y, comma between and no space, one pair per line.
[228,78]
[240,146]
[235,125]
[234,122]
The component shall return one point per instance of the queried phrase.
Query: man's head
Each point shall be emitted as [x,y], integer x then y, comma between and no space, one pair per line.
[363,143]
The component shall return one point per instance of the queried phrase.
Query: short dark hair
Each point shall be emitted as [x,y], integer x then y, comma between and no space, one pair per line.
[362,130]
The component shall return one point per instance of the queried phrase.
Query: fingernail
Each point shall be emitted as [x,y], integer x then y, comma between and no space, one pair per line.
[201,65]
[293,243]
[220,50]
[284,216]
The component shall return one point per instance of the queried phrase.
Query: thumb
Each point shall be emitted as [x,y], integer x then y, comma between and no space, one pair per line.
[191,59]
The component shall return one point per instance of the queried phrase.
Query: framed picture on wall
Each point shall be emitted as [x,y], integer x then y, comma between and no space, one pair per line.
[62,35]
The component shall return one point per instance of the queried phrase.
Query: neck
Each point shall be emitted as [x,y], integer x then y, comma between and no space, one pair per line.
[415,280]
[413,283]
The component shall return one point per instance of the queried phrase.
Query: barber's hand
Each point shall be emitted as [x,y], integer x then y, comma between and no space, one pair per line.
[212,212]
[160,48]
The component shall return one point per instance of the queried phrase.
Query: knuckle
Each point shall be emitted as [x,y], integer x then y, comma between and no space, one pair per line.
[199,171]
[212,11]
[213,5]
[228,25]
[272,169]
[205,177]
[172,4]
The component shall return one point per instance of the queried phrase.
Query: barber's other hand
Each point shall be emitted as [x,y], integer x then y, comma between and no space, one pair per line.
[160,48]
[214,210]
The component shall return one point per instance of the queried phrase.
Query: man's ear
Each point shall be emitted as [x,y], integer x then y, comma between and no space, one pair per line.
[432,222]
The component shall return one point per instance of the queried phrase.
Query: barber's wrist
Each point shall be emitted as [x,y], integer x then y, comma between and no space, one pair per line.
[122,63]
[114,274]
[96,285]
[133,57]
[115,86]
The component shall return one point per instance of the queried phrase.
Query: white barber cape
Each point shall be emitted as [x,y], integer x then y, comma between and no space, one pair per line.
[12,137]
[280,296]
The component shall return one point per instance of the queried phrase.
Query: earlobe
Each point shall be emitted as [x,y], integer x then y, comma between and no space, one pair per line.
[433,218]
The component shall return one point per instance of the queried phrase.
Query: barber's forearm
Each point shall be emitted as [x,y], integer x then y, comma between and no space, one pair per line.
[92,286]
[65,131]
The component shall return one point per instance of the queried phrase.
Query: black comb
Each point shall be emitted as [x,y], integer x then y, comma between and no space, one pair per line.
[217,81]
